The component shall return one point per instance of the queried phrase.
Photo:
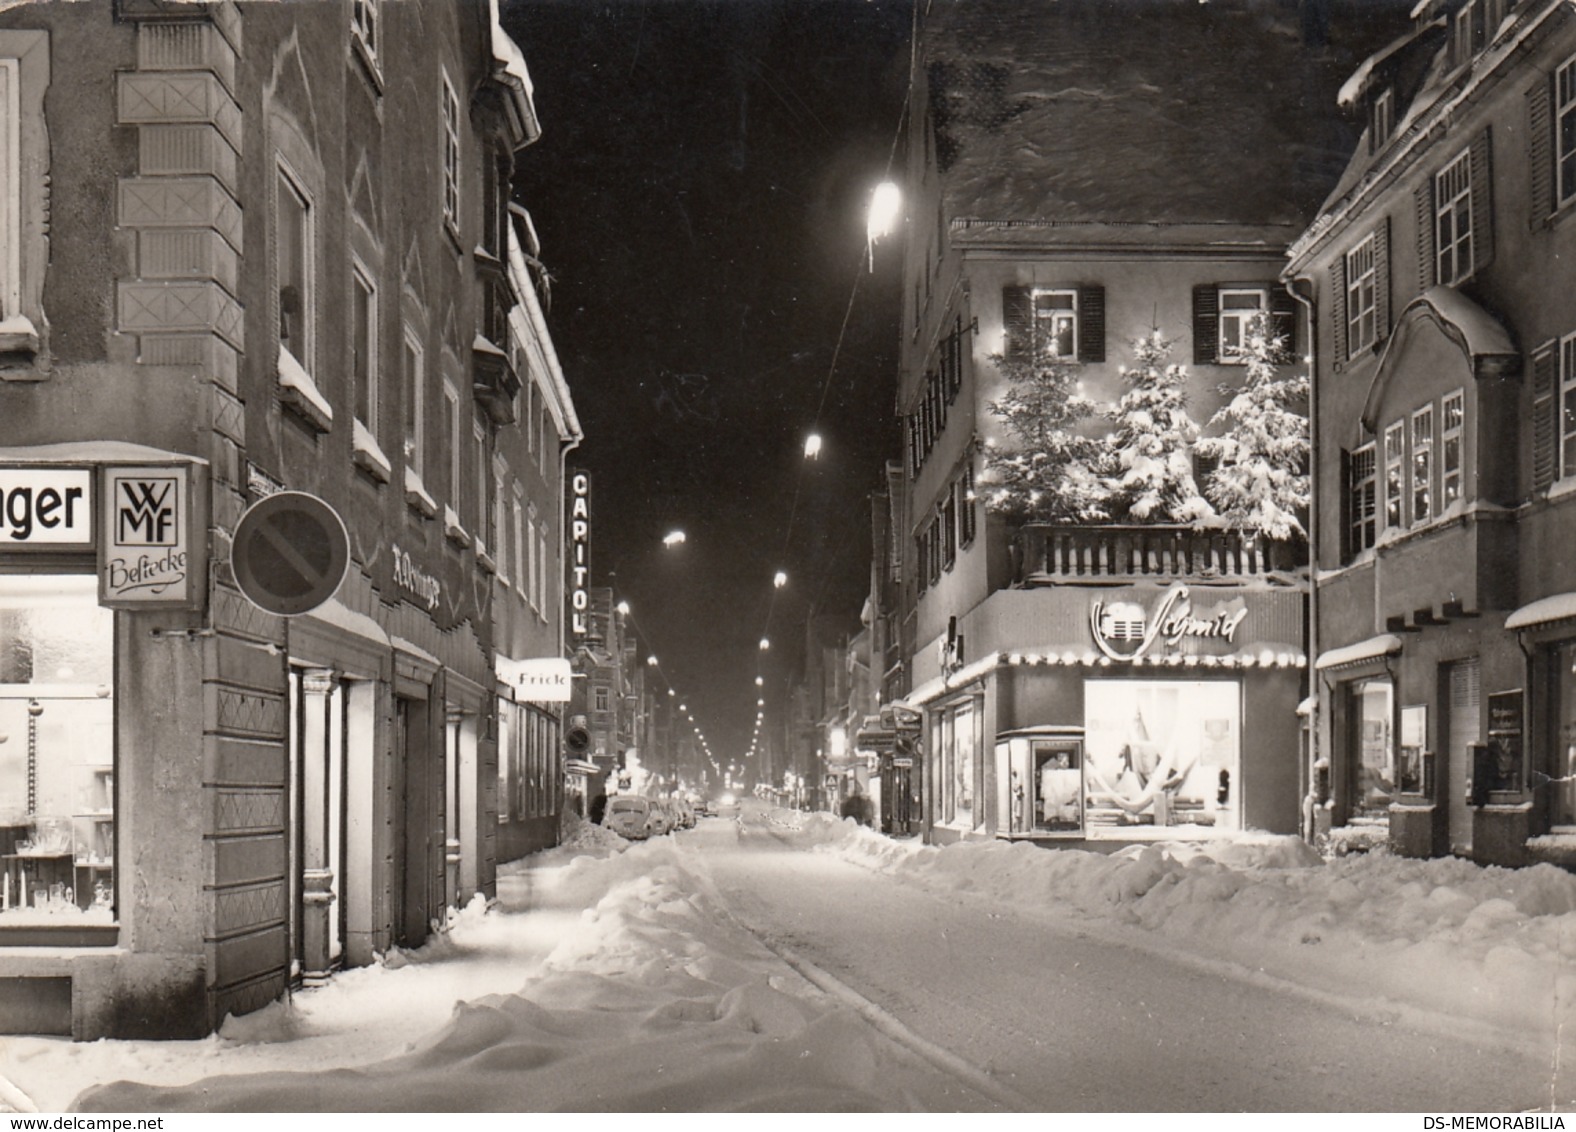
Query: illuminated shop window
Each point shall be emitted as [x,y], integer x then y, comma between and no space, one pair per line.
[1162,755]
[57,757]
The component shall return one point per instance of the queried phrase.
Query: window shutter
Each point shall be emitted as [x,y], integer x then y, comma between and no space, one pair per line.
[1348,549]
[1540,140]
[1206,324]
[1545,370]
[1343,349]
[1091,324]
[1382,279]
[1017,318]
[1283,315]
[1482,201]
[1425,234]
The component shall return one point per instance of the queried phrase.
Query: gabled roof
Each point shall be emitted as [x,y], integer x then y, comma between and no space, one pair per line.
[1481,338]
[1160,111]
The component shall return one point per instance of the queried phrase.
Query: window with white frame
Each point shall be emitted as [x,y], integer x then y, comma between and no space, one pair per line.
[544,573]
[479,435]
[1452,427]
[1383,119]
[364,18]
[1565,131]
[1567,406]
[520,565]
[1363,488]
[415,397]
[293,266]
[451,436]
[1394,473]
[451,155]
[1453,220]
[528,586]
[24,189]
[499,539]
[1238,305]
[1056,323]
[1361,292]
[10,190]
[364,345]
[1423,465]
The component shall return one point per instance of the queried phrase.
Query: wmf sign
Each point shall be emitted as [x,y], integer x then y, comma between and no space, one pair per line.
[146,555]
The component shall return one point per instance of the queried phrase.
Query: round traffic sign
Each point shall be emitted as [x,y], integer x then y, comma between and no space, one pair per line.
[290,552]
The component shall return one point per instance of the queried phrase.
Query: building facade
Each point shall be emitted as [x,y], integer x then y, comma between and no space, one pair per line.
[1445,612]
[1079,681]
[254,249]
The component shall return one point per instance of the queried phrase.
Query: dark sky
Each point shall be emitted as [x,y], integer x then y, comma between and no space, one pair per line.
[699,189]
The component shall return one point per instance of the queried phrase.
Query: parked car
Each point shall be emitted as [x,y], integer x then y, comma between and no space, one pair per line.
[629,816]
[662,819]
[701,808]
[683,813]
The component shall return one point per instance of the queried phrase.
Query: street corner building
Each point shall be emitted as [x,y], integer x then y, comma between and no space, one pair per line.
[249,250]
[1445,427]
[1090,645]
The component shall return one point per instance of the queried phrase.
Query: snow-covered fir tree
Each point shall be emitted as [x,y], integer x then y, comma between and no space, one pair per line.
[1045,474]
[1261,480]
[1148,472]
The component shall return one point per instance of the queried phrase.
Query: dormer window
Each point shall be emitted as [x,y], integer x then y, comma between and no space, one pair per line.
[1381,123]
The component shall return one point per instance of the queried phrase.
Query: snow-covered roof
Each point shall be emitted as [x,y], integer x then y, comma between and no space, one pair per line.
[509,70]
[93,452]
[1355,86]
[337,614]
[1385,644]
[1152,110]
[1480,336]
[1558,607]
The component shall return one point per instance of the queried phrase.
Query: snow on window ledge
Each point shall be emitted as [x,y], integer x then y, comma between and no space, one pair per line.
[452,530]
[1561,488]
[19,351]
[484,559]
[300,393]
[367,456]
[416,494]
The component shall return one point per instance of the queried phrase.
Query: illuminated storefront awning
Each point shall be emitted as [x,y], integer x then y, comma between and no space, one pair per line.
[1559,607]
[1385,644]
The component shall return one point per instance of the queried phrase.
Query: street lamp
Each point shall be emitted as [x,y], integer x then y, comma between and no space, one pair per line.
[886,206]
[673,538]
[780,579]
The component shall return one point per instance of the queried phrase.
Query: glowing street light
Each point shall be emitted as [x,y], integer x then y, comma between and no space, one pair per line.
[673,538]
[780,579]
[652,660]
[812,446]
[623,607]
[765,644]
[886,207]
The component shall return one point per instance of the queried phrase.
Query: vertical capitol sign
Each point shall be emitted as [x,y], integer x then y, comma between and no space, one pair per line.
[580,553]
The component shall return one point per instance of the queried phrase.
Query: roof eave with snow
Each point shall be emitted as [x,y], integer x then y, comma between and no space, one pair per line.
[1544,611]
[1385,644]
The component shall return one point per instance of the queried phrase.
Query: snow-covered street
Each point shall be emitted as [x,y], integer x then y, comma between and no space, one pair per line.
[798,962]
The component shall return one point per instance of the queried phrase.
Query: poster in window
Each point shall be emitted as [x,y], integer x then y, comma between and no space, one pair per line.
[1505,715]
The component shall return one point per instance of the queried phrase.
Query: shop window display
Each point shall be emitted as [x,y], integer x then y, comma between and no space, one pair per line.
[1563,771]
[57,770]
[1375,763]
[1162,754]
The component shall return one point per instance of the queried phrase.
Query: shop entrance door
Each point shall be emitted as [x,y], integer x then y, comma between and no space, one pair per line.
[420,893]
[317,803]
[1465,728]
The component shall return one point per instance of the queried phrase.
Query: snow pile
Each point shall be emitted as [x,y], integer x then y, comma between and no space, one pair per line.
[650,1000]
[1447,935]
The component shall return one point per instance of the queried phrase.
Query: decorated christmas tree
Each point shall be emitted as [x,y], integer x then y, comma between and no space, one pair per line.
[1148,470]
[1261,480]
[1045,474]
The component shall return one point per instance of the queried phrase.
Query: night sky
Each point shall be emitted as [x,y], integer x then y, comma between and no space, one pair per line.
[699,190]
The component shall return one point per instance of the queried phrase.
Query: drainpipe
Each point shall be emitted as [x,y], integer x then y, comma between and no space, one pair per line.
[1322,705]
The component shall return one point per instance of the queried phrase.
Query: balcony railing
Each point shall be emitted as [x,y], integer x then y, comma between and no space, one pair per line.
[1048,553]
